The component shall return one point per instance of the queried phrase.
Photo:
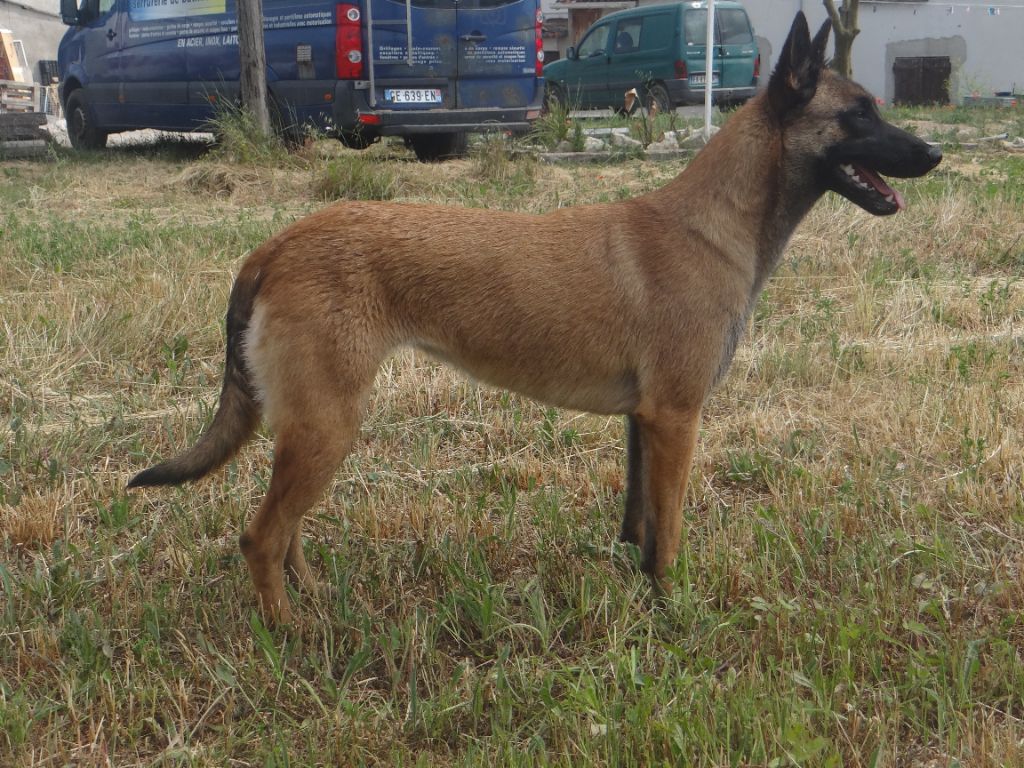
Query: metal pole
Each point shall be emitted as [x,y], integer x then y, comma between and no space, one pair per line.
[709,66]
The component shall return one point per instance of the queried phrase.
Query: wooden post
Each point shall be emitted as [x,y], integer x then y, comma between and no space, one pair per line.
[253,76]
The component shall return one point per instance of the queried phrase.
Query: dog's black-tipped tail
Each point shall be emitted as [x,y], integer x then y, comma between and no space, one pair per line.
[238,413]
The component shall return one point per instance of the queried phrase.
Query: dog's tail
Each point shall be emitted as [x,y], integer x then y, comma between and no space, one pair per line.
[238,413]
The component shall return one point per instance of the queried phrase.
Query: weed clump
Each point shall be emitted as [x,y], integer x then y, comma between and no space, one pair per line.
[554,125]
[354,177]
[240,140]
[494,162]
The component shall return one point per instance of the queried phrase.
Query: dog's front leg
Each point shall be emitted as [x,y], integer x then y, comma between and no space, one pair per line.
[635,520]
[667,439]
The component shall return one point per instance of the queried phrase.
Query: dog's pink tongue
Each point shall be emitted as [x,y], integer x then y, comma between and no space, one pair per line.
[880,186]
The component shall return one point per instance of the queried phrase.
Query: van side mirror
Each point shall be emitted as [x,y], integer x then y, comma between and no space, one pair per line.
[69,12]
[570,52]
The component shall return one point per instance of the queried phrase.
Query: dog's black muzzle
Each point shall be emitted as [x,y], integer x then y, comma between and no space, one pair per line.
[854,167]
[891,151]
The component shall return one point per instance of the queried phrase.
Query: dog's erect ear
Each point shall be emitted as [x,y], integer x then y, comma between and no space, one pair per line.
[820,42]
[795,78]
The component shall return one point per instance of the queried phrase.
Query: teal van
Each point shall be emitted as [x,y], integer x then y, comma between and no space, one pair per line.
[661,51]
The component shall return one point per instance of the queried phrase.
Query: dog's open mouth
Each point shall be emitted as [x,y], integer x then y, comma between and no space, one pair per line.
[867,189]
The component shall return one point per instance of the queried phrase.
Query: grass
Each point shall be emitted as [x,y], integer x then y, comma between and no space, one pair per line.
[850,590]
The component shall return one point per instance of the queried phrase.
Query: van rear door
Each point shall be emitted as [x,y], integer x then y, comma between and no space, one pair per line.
[497,53]
[695,34]
[465,53]
[738,48]
[420,80]
[735,52]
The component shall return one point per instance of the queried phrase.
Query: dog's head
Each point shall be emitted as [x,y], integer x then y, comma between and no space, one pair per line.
[833,130]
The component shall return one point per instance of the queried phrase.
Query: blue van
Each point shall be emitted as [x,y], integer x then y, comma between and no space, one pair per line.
[660,50]
[428,70]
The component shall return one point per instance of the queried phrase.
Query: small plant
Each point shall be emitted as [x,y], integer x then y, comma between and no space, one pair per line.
[491,157]
[176,358]
[240,140]
[494,163]
[555,124]
[579,139]
[653,102]
[356,177]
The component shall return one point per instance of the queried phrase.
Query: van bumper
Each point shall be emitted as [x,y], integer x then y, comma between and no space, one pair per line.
[681,93]
[342,106]
[353,111]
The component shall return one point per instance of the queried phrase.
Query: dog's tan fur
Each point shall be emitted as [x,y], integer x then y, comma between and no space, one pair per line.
[632,307]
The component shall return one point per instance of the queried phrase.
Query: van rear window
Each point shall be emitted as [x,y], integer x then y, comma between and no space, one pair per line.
[696,24]
[734,26]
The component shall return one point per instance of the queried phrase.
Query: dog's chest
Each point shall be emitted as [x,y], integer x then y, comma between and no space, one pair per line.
[733,334]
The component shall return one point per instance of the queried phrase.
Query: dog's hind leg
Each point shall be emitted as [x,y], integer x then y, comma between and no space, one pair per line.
[295,563]
[667,440]
[306,455]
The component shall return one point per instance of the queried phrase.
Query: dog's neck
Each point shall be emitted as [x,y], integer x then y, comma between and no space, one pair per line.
[741,184]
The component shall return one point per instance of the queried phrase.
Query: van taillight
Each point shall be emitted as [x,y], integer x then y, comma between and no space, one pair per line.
[757,67]
[681,73]
[539,65]
[348,43]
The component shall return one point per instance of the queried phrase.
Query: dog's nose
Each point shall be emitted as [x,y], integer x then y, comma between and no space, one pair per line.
[934,153]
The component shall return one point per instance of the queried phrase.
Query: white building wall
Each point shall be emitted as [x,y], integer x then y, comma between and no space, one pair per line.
[982,40]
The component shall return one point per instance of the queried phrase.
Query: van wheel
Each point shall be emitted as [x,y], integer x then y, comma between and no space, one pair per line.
[434,147]
[658,94]
[82,128]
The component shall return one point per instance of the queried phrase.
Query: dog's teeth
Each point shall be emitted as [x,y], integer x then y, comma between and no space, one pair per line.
[848,170]
[890,198]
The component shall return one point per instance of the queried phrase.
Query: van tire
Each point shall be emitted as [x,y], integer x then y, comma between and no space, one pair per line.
[435,147]
[82,130]
[658,94]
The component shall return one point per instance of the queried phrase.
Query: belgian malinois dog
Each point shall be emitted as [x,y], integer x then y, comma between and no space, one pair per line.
[630,308]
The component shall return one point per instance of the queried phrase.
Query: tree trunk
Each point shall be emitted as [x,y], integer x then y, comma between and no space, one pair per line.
[253,79]
[844,25]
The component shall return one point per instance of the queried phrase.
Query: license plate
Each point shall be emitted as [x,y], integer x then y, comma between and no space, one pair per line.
[700,79]
[413,95]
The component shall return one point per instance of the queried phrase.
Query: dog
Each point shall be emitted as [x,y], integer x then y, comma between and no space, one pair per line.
[633,307]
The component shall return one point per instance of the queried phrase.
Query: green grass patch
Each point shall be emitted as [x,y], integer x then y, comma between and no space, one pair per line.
[849,590]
